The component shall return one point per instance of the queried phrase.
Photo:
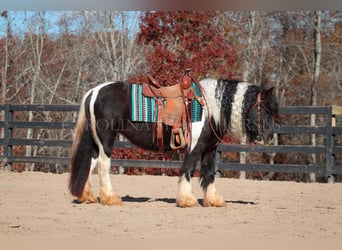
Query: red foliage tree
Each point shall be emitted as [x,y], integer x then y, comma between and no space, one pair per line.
[179,40]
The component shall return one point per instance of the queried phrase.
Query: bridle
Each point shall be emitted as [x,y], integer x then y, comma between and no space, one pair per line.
[258,104]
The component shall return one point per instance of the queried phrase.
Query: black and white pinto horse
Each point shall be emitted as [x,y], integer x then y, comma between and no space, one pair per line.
[245,110]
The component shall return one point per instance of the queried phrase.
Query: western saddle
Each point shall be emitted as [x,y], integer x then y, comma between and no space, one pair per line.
[173,109]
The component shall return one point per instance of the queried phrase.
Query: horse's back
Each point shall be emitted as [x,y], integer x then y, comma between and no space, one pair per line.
[110,100]
[110,89]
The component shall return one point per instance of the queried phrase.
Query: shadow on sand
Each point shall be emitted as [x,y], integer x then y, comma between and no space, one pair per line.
[129,198]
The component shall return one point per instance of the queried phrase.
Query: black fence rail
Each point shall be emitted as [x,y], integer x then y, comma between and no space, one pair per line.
[329,149]
[8,124]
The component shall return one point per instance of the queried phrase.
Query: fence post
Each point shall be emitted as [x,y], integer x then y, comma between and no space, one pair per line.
[217,161]
[8,133]
[329,163]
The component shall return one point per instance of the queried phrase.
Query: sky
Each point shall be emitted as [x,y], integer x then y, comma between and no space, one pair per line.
[19,24]
[143,5]
[170,5]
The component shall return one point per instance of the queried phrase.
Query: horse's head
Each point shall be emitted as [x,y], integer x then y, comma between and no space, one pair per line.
[260,116]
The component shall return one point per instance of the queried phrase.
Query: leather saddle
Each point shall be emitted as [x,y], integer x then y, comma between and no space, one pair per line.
[172,106]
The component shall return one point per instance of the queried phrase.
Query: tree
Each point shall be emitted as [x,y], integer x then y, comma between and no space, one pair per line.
[315,75]
[36,45]
[331,59]
[5,60]
[184,39]
[112,53]
[247,72]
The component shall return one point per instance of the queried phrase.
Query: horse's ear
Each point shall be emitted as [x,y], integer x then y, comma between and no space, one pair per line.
[267,94]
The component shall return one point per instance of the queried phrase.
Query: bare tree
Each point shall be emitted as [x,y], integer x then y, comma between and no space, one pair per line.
[36,34]
[5,58]
[248,67]
[332,61]
[316,71]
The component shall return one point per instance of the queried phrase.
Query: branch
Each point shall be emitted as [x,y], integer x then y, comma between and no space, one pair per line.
[54,93]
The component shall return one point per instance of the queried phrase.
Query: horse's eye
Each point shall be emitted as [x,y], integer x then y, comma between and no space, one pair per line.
[267,111]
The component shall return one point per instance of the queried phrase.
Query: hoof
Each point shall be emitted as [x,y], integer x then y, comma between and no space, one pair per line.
[187,201]
[87,196]
[216,201]
[110,200]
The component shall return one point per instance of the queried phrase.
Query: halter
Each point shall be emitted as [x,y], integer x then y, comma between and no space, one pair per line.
[257,104]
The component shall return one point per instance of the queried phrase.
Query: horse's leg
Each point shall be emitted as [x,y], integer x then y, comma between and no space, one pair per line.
[88,196]
[211,197]
[185,197]
[107,195]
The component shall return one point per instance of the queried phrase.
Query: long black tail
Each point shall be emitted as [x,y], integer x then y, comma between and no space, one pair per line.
[81,152]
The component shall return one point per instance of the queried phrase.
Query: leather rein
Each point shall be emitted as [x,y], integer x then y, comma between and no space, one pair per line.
[258,104]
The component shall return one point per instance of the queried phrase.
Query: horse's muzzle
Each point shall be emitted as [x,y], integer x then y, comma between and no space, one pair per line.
[262,142]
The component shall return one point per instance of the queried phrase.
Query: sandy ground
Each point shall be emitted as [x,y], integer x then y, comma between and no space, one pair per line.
[39,205]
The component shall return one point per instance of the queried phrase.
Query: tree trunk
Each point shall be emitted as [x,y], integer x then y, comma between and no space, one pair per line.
[247,65]
[6,59]
[246,74]
[270,175]
[4,69]
[37,43]
[316,71]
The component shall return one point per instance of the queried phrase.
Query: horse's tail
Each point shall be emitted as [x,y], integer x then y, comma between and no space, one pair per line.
[81,151]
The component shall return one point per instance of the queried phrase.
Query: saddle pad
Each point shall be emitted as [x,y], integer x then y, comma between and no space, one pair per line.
[197,108]
[144,109]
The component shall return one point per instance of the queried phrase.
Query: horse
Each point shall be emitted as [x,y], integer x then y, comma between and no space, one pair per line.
[244,110]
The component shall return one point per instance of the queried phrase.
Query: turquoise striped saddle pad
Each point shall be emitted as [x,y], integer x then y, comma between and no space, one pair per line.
[144,109]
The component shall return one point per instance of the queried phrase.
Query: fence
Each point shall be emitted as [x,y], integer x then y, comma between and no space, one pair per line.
[330,150]
[8,124]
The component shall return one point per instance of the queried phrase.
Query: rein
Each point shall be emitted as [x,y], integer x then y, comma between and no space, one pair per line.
[257,104]
[209,117]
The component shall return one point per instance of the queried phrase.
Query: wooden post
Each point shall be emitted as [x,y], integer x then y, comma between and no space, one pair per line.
[8,133]
[335,110]
[329,162]
[217,161]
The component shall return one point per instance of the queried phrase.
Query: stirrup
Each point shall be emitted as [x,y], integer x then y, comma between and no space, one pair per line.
[173,139]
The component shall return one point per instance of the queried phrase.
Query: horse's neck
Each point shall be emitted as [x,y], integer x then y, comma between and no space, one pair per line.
[213,98]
